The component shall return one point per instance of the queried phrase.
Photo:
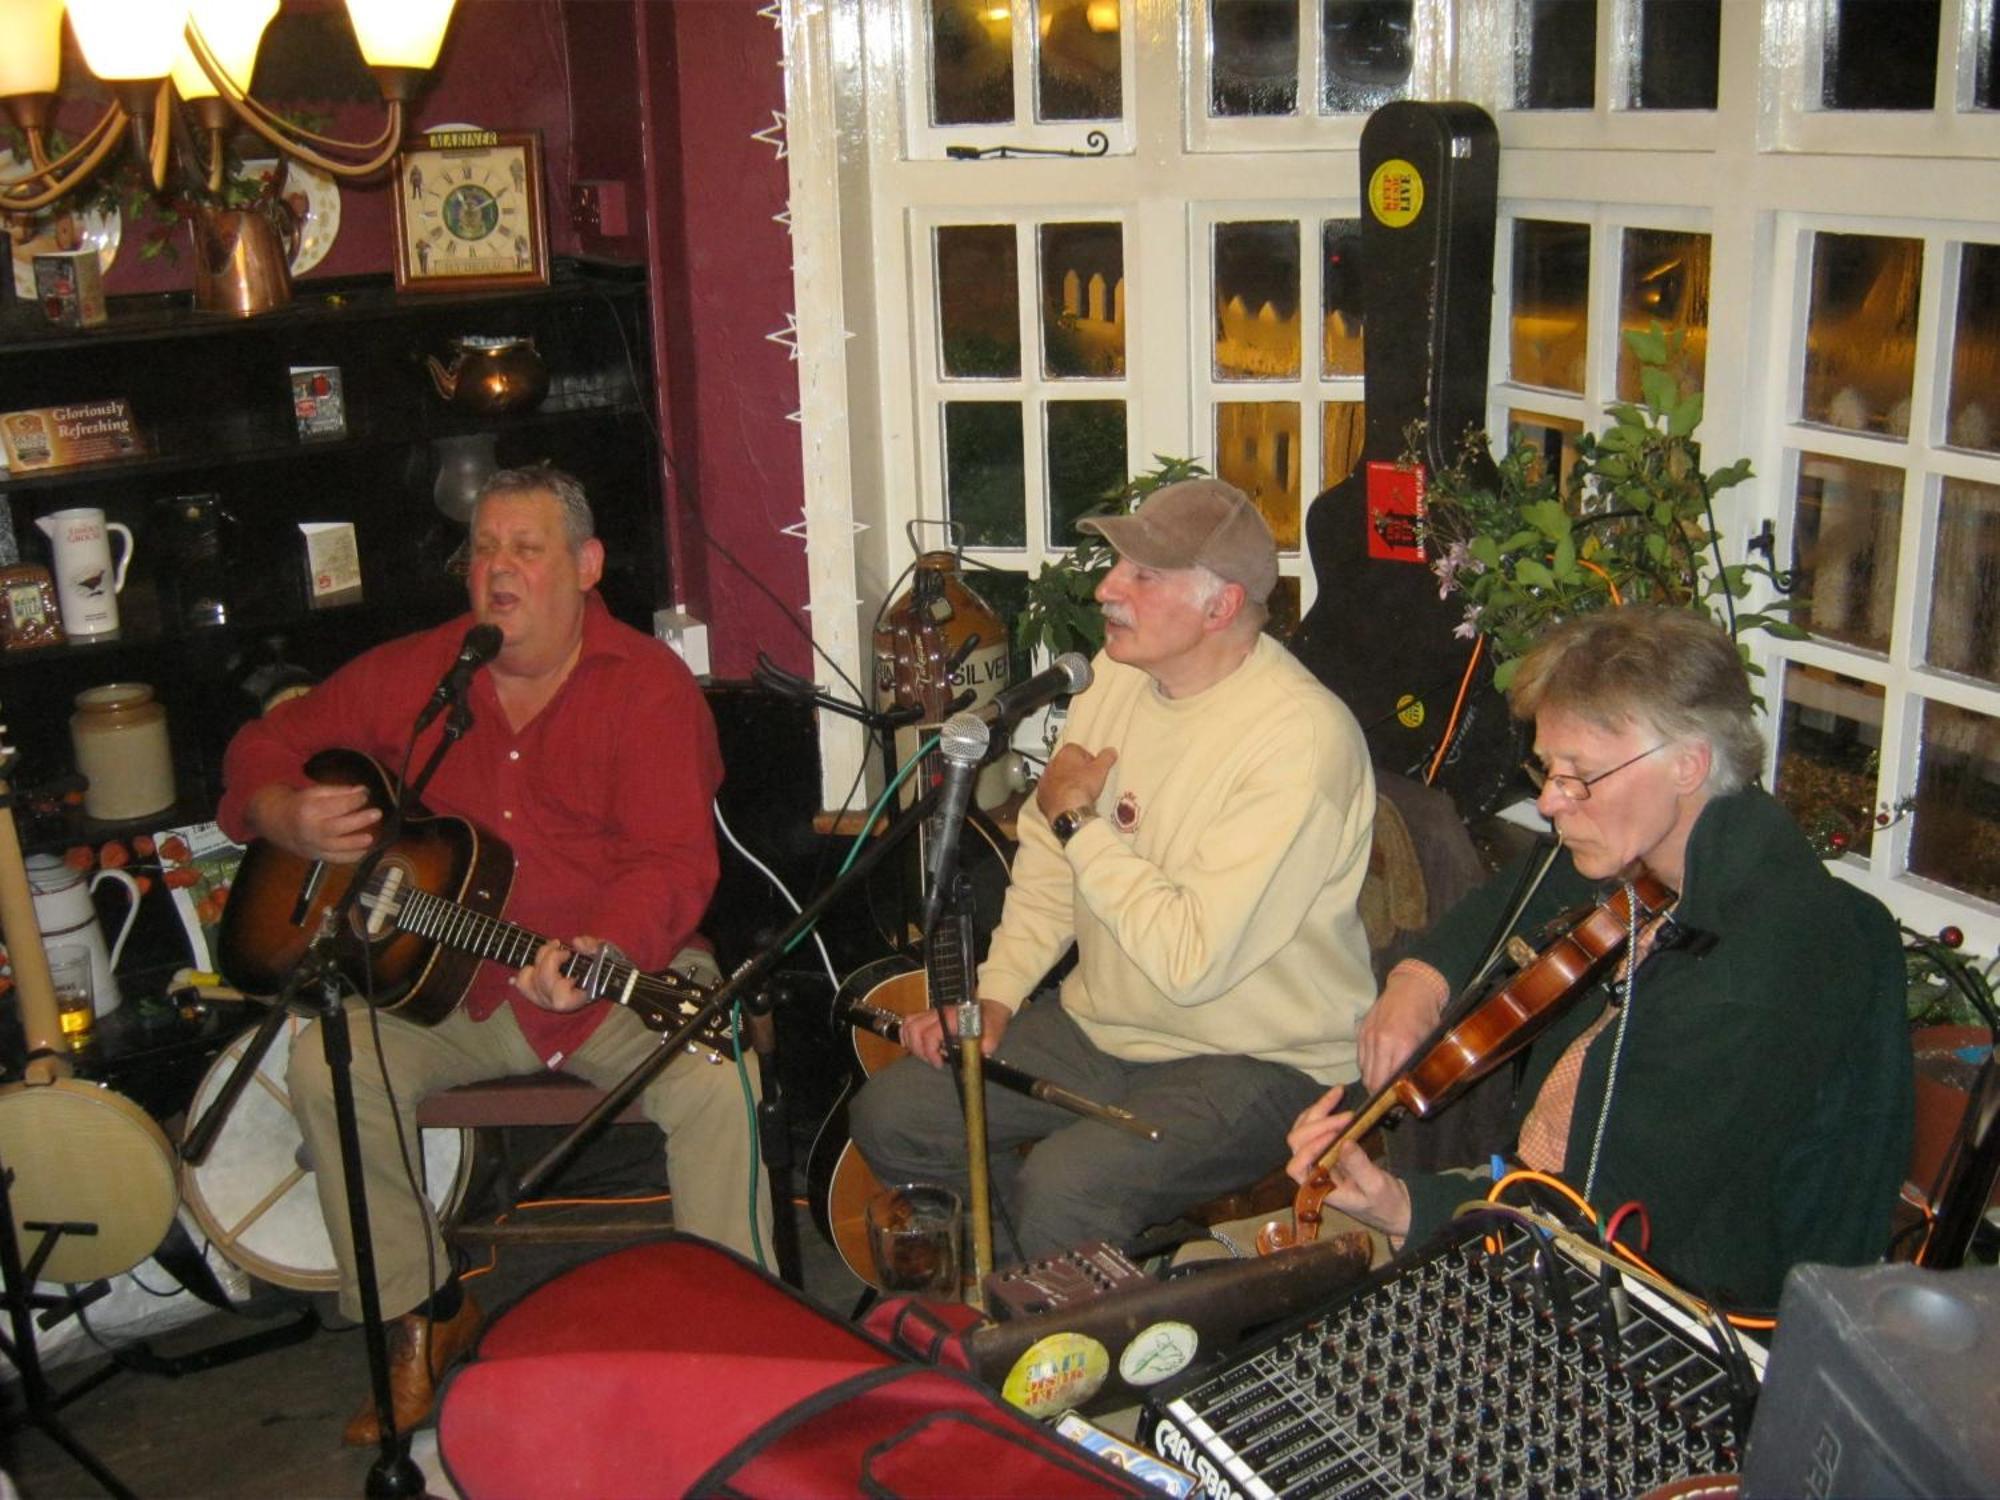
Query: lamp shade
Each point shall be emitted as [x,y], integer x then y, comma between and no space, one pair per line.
[399,33]
[127,39]
[231,29]
[30,46]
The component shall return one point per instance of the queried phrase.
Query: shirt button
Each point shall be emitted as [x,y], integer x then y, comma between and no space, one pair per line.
[513,755]
[507,813]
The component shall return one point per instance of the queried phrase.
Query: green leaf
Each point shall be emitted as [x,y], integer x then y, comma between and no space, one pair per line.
[1504,674]
[1785,630]
[1685,416]
[1548,517]
[1648,346]
[1534,574]
[1626,414]
[1563,565]
[1485,549]
[1662,391]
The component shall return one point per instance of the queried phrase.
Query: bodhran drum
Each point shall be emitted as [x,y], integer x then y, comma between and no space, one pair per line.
[255,1195]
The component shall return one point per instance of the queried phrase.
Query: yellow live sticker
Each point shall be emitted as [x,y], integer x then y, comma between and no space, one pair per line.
[1396,192]
[1056,1373]
[1410,711]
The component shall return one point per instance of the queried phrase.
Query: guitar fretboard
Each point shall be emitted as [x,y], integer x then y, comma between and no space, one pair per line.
[662,1001]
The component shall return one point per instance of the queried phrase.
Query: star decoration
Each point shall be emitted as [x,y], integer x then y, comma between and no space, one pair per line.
[773,134]
[783,216]
[774,13]
[799,527]
[788,335]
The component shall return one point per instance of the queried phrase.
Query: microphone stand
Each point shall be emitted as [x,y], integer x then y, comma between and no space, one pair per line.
[394,1473]
[970,1059]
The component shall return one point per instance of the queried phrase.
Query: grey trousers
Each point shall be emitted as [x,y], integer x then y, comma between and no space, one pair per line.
[699,1104]
[1222,1123]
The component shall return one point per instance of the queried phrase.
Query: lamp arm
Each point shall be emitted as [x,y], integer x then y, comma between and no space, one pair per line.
[291,139]
[30,202]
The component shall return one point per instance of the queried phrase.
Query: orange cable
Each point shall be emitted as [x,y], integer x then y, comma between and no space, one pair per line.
[1457,708]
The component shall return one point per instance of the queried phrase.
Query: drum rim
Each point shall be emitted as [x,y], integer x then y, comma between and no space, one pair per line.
[229,1244]
[77,1094]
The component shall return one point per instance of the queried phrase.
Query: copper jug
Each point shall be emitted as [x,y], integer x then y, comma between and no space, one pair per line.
[242,258]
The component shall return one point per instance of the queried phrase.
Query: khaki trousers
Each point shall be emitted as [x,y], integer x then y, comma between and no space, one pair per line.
[699,1104]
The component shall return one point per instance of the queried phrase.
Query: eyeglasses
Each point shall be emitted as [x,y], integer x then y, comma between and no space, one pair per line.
[1577,788]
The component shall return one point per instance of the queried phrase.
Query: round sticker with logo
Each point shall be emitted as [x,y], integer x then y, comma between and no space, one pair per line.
[1158,1351]
[1396,193]
[1410,711]
[1056,1373]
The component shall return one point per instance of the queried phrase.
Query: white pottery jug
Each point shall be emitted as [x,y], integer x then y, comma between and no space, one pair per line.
[86,584]
[66,914]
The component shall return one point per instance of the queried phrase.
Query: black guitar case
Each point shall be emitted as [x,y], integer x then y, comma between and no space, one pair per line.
[1377,633]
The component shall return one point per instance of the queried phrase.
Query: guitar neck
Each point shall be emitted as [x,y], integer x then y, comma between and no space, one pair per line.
[602,978]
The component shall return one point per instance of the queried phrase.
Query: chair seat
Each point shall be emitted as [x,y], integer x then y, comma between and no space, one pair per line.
[532,1099]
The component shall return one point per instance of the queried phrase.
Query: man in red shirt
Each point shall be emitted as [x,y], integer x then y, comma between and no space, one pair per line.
[592,754]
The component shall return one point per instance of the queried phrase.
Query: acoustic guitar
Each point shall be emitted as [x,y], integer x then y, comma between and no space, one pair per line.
[92,1185]
[420,928]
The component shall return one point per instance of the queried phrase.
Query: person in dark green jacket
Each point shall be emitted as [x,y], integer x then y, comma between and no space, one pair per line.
[1749,1083]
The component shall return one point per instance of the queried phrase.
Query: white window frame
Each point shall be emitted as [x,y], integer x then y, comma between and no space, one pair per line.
[1306,129]
[925,141]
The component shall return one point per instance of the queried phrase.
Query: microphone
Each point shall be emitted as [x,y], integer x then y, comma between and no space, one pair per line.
[482,643]
[1070,674]
[962,742]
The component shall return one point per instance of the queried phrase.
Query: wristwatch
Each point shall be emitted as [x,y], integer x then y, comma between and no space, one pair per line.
[1065,823]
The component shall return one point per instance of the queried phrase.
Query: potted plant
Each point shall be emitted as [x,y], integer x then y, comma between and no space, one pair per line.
[1060,613]
[1632,520]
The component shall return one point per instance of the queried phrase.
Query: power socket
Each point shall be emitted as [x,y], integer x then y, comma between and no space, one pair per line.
[687,635]
[598,207]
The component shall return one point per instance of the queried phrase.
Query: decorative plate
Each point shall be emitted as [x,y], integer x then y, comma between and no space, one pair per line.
[314,198]
[57,228]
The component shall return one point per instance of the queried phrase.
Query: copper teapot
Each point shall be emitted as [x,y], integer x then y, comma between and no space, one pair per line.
[488,375]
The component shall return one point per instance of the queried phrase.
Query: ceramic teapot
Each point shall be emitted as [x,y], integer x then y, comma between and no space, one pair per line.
[66,914]
[489,375]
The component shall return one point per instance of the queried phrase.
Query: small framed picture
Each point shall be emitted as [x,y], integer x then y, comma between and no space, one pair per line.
[31,618]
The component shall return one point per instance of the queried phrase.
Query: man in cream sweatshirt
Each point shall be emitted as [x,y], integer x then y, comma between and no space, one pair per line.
[1200,836]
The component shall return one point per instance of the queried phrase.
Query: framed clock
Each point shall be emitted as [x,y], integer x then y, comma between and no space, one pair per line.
[470,213]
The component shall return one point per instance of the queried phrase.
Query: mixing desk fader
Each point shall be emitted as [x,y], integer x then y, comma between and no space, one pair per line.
[1510,1371]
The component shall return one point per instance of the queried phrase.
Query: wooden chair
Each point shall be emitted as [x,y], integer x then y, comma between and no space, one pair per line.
[493,1105]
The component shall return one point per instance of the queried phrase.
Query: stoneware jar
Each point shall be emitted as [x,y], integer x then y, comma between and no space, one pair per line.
[120,738]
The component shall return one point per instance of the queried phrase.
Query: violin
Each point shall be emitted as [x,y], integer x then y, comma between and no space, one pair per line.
[1460,1053]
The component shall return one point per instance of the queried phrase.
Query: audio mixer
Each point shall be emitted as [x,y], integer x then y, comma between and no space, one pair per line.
[1490,1364]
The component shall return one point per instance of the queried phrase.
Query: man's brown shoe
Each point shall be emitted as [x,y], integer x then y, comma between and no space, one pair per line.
[420,1351]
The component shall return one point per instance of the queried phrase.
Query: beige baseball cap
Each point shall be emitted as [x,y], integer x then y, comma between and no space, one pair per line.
[1197,522]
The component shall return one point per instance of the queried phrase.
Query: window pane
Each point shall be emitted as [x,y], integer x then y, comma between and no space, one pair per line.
[1664,280]
[984,472]
[1083,300]
[1549,321]
[1340,292]
[1257,300]
[1553,438]
[1365,54]
[1257,450]
[1829,751]
[1679,41]
[1555,54]
[972,63]
[1861,334]
[1086,452]
[979,316]
[1973,419]
[1343,426]
[1881,54]
[1284,607]
[1844,547]
[1077,74]
[1253,57]
[1955,836]
[1983,56]
[1965,586]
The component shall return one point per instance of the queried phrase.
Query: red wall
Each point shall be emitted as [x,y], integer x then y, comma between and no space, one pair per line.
[660,97]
